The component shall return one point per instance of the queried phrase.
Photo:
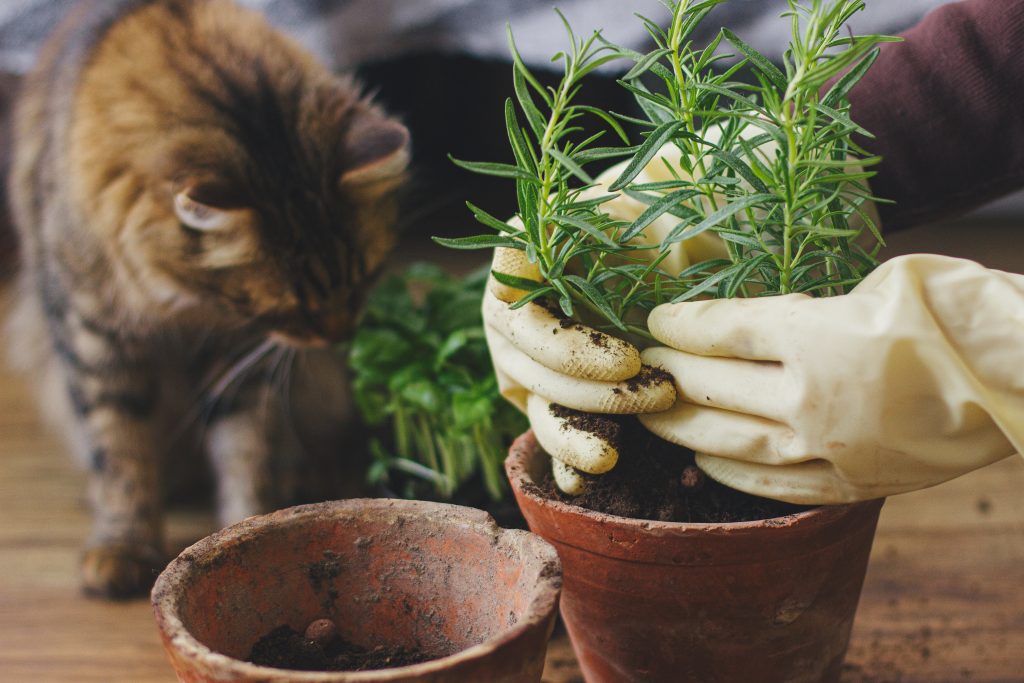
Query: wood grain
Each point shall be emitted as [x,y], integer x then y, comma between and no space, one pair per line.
[943,600]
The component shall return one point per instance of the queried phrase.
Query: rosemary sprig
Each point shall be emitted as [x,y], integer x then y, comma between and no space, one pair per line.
[769,165]
[557,224]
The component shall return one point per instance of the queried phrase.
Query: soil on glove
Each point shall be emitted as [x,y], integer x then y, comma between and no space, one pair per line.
[286,648]
[657,480]
[606,429]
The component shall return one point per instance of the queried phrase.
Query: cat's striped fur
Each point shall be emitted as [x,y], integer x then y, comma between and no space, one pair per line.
[142,331]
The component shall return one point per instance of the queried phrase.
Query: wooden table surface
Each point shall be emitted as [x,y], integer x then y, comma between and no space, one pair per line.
[943,600]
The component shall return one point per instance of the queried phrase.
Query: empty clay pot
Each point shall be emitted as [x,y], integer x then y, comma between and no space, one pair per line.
[766,601]
[439,578]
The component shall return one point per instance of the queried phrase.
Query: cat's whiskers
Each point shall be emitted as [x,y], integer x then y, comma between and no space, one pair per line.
[237,372]
[285,379]
[282,380]
[271,389]
[211,392]
[289,372]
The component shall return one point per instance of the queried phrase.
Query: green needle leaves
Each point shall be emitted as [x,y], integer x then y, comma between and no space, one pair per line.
[731,144]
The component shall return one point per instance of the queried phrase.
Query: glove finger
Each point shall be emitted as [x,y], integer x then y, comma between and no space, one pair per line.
[511,262]
[742,386]
[735,328]
[592,451]
[728,434]
[513,392]
[813,482]
[649,391]
[574,350]
[567,479]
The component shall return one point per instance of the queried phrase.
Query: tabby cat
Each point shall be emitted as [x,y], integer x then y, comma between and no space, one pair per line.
[199,202]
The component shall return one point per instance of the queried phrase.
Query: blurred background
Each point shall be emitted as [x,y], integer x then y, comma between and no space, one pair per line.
[441,65]
[347,32]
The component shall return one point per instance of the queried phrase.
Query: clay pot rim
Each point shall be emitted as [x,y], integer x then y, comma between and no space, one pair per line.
[518,472]
[173,581]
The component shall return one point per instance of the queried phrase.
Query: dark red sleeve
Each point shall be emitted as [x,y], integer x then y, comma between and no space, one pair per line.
[946,107]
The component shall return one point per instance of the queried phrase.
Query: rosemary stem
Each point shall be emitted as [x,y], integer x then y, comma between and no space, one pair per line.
[685,109]
[550,168]
[788,107]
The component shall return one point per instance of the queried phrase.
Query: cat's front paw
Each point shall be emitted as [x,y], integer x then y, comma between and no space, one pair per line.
[119,571]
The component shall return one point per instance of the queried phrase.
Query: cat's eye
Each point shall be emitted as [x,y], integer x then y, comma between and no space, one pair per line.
[199,216]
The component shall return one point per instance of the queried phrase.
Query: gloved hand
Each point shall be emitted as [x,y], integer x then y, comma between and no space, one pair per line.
[541,361]
[913,378]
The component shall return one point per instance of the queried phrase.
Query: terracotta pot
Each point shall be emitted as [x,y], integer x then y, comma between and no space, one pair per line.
[771,600]
[440,578]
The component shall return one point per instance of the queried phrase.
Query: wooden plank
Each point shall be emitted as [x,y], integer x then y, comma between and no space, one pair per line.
[942,601]
[48,631]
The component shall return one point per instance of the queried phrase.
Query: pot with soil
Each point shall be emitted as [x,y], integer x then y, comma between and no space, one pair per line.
[755,591]
[369,590]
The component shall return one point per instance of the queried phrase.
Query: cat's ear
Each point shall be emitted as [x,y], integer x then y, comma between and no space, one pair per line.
[376,149]
[198,208]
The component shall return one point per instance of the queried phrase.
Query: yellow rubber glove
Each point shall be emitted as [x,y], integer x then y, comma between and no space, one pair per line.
[914,378]
[540,362]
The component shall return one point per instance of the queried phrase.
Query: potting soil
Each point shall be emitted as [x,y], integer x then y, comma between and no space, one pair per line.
[651,480]
[286,648]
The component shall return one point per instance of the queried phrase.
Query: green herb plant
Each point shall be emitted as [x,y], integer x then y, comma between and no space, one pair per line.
[768,162]
[421,370]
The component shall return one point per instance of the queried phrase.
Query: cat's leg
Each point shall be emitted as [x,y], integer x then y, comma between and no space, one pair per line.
[114,398]
[332,454]
[241,445]
[287,432]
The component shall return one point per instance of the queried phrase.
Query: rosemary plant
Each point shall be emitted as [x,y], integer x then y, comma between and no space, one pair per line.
[767,162]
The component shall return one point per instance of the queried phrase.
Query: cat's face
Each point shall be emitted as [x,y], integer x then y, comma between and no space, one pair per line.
[284,234]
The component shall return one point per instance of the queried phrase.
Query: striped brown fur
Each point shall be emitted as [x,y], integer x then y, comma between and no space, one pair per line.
[199,204]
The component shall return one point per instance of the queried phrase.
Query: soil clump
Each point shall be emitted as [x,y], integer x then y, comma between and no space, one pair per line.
[657,480]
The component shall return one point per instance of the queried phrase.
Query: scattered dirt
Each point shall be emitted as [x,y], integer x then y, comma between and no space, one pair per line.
[692,479]
[565,322]
[598,425]
[286,648]
[323,572]
[888,658]
[549,570]
[652,480]
[984,505]
[647,376]
[556,311]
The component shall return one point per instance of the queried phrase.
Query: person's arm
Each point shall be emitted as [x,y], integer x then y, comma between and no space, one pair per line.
[946,107]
